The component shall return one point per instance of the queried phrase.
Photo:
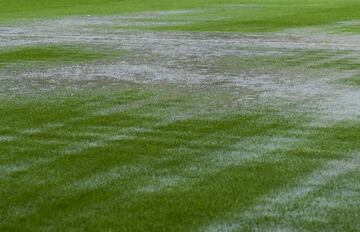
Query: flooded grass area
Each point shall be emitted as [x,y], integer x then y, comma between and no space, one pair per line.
[117,116]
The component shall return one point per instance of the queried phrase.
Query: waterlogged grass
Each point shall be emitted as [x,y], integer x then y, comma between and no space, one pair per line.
[136,157]
[128,150]
[327,189]
[355,80]
[266,16]
[52,54]
[351,28]
[206,15]
[102,159]
[347,28]
[282,60]
[307,61]
[341,64]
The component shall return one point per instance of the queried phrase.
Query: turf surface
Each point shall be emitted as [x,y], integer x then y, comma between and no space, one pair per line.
[208,15]
[122,155]
[42,55]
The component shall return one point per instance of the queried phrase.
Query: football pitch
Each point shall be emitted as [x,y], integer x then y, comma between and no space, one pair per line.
[203,115]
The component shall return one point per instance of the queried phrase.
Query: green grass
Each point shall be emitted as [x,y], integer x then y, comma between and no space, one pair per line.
[78,162]
[208,15]
[349,28]
[265,16]
[159,157]
[341,64]
[48,54]
[293,59]
[355,80]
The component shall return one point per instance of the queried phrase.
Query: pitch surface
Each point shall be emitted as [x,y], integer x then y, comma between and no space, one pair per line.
[119,116]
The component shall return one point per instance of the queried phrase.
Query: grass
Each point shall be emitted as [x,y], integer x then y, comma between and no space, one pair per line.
[124,156]
[69,167]
[346,28]
[351,28]
[48,54]
[267,16]
[355,80]
[287,60]
[341,63]
[208,15]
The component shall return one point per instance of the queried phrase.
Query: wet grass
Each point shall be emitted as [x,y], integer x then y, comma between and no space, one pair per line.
[346,28]
[338,145]
[355,80]
[351,28]
[267,16]
[146,157]
[340,64]
[208,15]
[286,60]
[79,161]
[48,54]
